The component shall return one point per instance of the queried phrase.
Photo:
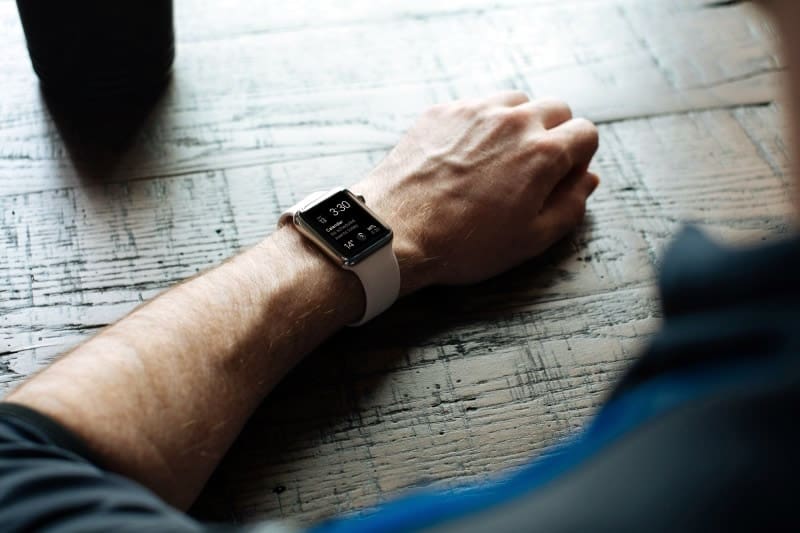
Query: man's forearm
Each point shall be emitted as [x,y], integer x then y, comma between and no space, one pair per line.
[474,188]
[167,389]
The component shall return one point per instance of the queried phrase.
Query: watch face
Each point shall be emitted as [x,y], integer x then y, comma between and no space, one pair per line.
[345,226]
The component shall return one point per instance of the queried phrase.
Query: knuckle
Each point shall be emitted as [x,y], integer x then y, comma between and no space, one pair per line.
[519,116]
[588,131]
[514,118]
[553,151]
[558,111]
[556,104]
[516,95]
[544,145]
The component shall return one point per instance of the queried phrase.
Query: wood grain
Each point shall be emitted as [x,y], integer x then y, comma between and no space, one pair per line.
[270,102]
[269,96]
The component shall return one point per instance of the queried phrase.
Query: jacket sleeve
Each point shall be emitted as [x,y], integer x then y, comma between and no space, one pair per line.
[50,482]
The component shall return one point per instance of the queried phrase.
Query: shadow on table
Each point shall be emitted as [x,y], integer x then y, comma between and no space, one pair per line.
[324,395]
[100,135]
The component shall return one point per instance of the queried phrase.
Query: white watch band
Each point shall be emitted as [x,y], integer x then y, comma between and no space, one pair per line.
[380,277]
[379,273]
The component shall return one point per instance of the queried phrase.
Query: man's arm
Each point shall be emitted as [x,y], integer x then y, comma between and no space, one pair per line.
[160,395]
[473,189]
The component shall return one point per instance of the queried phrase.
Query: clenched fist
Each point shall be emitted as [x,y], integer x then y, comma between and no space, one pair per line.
[478,186]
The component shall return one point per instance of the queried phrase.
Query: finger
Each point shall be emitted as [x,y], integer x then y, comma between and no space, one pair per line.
[507,98]
[577,187]
[564,209]
[563,151]
[548,112]
[581,140]
[566,149]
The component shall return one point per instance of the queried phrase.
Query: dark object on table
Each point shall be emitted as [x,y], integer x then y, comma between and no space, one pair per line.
[90,51]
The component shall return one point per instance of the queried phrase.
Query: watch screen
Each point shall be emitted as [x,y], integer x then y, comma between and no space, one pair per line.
[346,226]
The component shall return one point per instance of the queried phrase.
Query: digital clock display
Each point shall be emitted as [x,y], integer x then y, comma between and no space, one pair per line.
[345,225]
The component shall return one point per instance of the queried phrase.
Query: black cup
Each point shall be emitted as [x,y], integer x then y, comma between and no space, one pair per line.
[99,50]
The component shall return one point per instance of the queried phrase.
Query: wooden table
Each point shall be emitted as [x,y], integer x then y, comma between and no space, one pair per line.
[272,100]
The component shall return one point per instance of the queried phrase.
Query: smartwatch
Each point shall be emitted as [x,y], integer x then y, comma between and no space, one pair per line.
[340,224]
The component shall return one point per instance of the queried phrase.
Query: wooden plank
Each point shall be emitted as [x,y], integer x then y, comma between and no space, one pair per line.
[200,18]
[280,96]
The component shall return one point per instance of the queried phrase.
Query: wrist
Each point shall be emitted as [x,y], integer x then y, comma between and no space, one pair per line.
[387,265]
[416,268]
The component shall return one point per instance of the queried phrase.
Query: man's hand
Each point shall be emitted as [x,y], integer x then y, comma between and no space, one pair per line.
[479,186]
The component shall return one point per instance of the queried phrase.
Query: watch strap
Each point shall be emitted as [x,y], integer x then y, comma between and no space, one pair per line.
[380,276]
